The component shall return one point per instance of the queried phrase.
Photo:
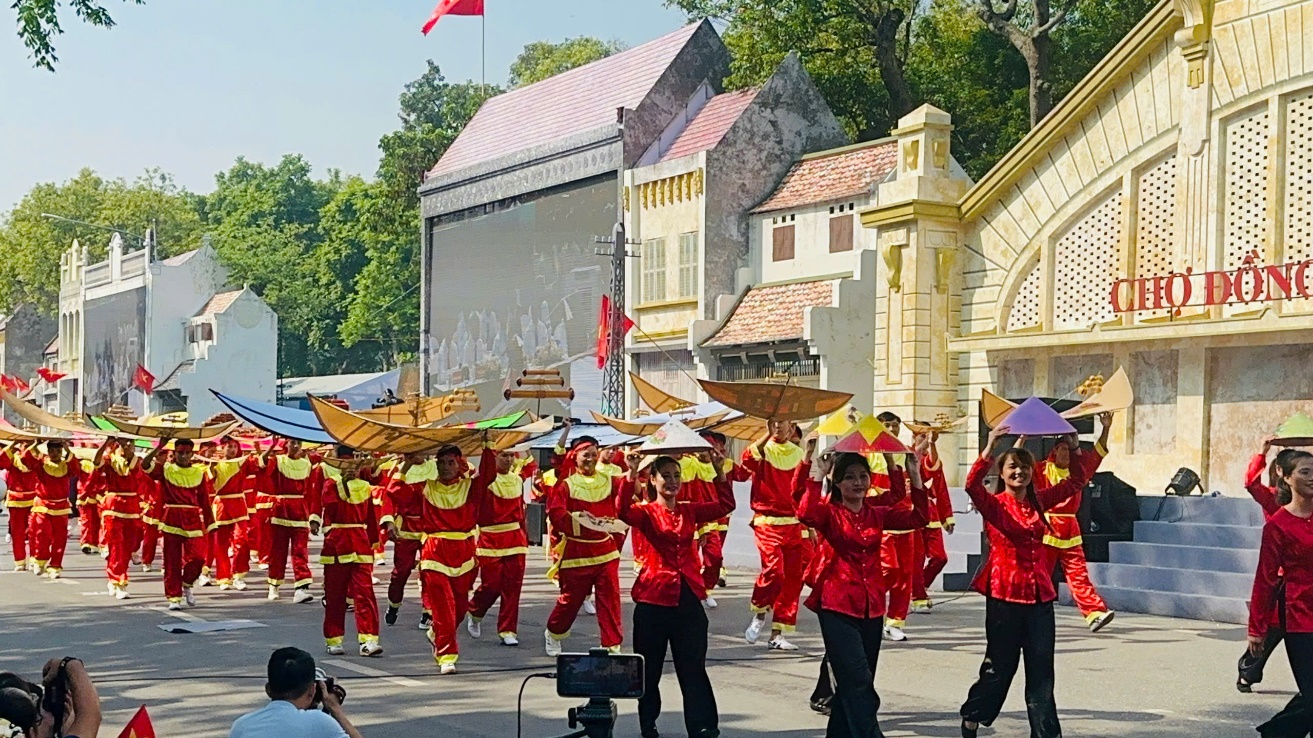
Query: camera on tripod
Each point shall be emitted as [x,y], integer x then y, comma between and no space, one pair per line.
[601,677]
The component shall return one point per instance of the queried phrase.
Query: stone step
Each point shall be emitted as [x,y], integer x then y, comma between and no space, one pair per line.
[1194,534]
[1159,579]
[1221,510]
[1205,558]
[1170,604]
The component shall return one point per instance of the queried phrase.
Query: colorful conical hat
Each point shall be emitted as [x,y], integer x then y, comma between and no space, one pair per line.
[1035,418]
[674,438]
[837,423]
[993,409]
[870,436]
[1296,431]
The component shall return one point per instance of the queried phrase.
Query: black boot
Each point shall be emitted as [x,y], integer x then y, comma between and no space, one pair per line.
[390,617]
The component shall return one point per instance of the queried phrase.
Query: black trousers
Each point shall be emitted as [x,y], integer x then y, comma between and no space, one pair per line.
[1015,632]
[683,630]
[1296,719]
[852,649]
[1250,667]
[824,691]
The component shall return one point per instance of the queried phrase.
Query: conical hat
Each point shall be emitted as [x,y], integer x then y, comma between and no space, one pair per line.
[775,401]
[870,436]
[1035,418]
[993,409]
[1114,394]
[941,423]
[674,438]
[837,423]
[1296,431]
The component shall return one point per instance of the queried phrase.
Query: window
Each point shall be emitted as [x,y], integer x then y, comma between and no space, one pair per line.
[688,265]
[841,233]
[200,332]
[654,270]
[783,243]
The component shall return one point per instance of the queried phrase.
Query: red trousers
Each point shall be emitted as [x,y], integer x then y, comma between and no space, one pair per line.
[89,524]
[447,599]
[18,532]
[241,544]
[930,559]
[183,559]
[500,576]
[712,545]
[897,560]
[355,581]
[405,556]
[150,536]
[779,585]
[603,581]
[224,552]
[1078,579]
[261,535]
[50,539]
[121,535]
[296,540]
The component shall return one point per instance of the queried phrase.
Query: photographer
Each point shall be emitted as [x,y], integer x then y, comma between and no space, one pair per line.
[303,702]
[64,704]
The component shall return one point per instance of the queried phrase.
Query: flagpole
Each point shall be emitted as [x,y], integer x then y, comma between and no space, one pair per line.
[483,44]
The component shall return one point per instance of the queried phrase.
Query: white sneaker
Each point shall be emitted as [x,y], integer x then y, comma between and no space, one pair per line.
[589,607]
[553,645]
[175,605]
[778,643]
[447,669]
[302,595]
[263,567]
[54,573]
[104,554]
[121,593]
[20,567]
[145,568]
[111,587]
[1101,620]
[240,585]
[753,633]
[136,559]
[335,650]
[371,648]
[189,597]
[203,580]
[425,621]
[225,587]
[273,592]
[710,603]
[922,608]
[894,634]
[475,627]
[510,640]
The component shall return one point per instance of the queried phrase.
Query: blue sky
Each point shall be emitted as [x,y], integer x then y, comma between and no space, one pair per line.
[189,85]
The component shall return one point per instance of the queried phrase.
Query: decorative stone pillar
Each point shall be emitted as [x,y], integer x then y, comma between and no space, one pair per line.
[1194,236]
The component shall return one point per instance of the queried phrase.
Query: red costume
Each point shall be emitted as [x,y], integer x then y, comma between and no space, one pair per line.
[1064,539]
[405,510]
[673,561]
[19,501]
[503,542]
[295,484]
[120,515]
[1265,496]
[930,556]
[697,484]
[350,525]
[52,509]
[590,560]
[778,532]
[230,518]
[1284,557]
[151,512]
[901,565]
[91,489]
[185,494]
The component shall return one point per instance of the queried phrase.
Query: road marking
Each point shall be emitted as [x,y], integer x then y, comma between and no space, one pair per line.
[94,594]
[399,681]
[179,614]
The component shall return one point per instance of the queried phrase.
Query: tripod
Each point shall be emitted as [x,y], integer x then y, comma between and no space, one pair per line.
[597,716]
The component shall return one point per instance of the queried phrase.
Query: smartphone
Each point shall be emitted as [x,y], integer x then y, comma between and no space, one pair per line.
[604,675]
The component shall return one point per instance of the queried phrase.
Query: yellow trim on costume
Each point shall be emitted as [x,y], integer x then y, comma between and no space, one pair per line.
[58,512]
[19,503]
[55,470]
[708,528]
[549,477]
[354,492]
[497,553]
[420,473]
[345,526]
[590,561]
[350,558]
[782,456]
[448,496]
[296,469]
[450,571]
[223,472]
[691,468]
[934,524]
[507,486]
[1062,543]
[773,520]
[1054,473]
[451,535]
[894,623]
[124,516]
[181,531]
[588,489]
[290,523]
[500,528]
[333,641]
[187,478]
[610,470]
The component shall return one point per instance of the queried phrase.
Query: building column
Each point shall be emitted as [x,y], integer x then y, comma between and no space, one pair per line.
[1192,416]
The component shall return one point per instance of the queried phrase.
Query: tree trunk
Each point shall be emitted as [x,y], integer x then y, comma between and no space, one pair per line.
[1039,63]
[901,101]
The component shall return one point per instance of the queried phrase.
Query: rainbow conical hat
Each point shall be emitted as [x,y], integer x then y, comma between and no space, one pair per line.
[674,438]
[837,423]
[1035,418]
[870,436]
[1296,431]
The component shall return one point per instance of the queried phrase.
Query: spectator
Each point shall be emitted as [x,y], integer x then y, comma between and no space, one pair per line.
[300,706]
[65,699]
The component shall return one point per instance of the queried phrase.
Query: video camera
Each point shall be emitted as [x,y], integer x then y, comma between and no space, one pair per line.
[601,677]
[324,682]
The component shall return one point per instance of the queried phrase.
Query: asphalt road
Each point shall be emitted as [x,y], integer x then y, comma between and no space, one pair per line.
[1143,677]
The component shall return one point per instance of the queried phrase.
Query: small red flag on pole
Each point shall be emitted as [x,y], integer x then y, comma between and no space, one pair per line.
[452,7]
[50,376]
[143,380]
[604,330]
[139,726]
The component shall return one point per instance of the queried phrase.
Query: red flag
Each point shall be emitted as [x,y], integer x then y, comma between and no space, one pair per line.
[143,380]
[604,330]
[21,387]
[49,375]
[139,726]
[452,7]
[8,385]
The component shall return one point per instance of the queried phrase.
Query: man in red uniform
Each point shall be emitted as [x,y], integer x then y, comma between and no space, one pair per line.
[19,500]
[350,526]
[503,543]
[229,473]
[930,556]
[403,521]
[185,493]
[91,489]
[151,512]
[295,481]
[56,473]
[590,560]
[120,510]
[772,461]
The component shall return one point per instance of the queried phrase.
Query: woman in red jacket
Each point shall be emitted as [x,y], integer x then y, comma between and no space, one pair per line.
[1017,581]
[1287,540]
[1271,499]
[849,593]
[670,588]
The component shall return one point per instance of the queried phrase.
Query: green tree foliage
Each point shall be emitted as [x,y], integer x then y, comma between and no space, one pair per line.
[543,59]
[38,24]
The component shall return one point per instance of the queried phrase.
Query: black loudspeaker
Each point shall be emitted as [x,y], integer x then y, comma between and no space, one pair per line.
[535,522]
[1184,482]
[1109,506]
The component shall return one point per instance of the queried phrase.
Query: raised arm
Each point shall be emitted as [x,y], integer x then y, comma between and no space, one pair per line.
[897,518]
[1263,599]
[723,505]
[633,515]
[813,509]
[1264,495]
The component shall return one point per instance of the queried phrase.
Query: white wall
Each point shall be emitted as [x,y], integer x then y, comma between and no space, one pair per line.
[242,360]
[811,245]
[176,294]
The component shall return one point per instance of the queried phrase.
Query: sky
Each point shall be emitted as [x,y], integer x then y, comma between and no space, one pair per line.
[190,85]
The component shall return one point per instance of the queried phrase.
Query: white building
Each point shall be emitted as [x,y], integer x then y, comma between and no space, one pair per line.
[175,317]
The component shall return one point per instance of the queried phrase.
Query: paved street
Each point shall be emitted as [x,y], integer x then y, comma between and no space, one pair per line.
[1145,677]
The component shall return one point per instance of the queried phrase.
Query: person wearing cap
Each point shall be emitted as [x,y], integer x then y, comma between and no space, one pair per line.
[186,490]
[350,525]
[403,521]
[503,543]
[229,472]
[929,556]
[772,461]
[590,559]
[20,497]
[120,510]
[55,472]
[295,481]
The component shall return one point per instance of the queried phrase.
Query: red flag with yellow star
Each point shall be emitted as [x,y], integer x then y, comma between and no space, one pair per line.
[139,726]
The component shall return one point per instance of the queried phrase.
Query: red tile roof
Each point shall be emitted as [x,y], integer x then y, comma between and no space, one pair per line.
[220,302]
[834,175]
[770,313]
[582,99]
[711,123]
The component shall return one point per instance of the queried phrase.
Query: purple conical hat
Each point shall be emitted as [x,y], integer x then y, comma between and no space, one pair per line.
[1035,418]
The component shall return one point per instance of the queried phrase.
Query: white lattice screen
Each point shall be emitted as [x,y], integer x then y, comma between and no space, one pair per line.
[1246,187]
[1084,267]
[1299,178]
[1025,306]
[1155,215]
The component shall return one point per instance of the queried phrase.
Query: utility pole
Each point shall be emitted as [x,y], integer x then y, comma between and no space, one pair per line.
[613,376]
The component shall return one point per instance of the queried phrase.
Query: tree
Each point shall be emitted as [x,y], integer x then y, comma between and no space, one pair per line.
[542,59]
[38,23]
[1031,34]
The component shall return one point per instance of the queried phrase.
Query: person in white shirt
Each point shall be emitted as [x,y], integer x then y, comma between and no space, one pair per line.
[300,706]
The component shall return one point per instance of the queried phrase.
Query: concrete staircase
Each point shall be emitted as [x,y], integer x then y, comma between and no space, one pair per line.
[1195,558]
[964,547]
